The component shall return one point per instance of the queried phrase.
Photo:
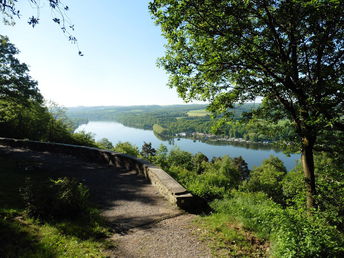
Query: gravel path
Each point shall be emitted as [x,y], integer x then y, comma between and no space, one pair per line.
[147,225]
[174,237]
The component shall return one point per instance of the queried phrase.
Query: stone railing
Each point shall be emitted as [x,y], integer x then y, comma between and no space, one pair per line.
[167,186]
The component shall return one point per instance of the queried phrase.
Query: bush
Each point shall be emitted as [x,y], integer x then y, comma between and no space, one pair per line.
[127,148]
[330,188]
[55,199]
[180,158]
[105,143]
[268,178]
[84,139]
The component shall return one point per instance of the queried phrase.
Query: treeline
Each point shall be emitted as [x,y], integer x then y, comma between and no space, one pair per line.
[186,119]
[176,123]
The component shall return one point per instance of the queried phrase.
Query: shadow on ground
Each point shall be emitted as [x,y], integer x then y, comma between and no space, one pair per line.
[126,199]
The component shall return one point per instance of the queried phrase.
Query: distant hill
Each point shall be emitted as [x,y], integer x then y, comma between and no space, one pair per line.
[111,113]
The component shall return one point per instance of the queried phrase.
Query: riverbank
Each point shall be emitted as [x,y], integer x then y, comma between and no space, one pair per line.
[253,154]
[205,137]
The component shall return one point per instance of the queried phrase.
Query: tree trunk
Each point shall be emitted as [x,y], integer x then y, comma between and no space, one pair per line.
[308,170]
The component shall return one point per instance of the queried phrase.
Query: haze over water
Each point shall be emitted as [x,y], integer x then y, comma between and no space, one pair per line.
[117,132]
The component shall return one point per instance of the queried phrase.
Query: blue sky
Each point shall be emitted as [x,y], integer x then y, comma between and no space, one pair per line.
[120,44]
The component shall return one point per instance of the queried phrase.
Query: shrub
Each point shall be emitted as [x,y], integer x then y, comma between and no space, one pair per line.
[161,156]
[180,158]
[84,139]
[330,188]
[268,178]
[127,148]
[197,162]
[105,143]
[147,151]
[55,199]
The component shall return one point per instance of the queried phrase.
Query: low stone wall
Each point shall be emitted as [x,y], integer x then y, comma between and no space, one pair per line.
[167,186]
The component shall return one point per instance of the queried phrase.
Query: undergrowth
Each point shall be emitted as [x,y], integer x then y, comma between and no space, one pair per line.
[25,235]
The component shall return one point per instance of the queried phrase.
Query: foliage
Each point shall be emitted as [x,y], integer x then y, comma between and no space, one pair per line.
[9,11]
[158,129]
[83,138]
[24,237]
[241,165]
[268,178]
[291,232]
[214,182]
[201,112]
[198,162]
[19,121]
[147,151]
[293,187]
[180,158]
[55,199]
[127,148]
[104,143]
[161,156]
[330,196]
[15,82]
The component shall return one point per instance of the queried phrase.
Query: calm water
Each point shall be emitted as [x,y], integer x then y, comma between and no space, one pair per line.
[117,132]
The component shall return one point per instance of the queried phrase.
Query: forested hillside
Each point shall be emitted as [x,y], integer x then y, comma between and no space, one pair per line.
[187,121]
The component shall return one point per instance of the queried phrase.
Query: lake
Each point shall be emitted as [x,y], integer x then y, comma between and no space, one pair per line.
[117,132]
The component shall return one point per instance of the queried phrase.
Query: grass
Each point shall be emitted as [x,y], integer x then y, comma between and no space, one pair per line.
[228,238]
[21,236]
[198,113]
[159,129]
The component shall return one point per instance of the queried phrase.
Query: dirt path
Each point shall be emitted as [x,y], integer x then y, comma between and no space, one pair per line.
[174,237]
[146,224]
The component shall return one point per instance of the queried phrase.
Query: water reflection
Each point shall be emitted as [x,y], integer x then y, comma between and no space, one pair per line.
[253,153]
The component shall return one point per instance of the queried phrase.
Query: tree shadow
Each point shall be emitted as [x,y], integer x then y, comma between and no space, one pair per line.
[17,240]
[125,198]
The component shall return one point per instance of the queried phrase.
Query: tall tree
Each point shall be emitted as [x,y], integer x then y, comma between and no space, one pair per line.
[290,52]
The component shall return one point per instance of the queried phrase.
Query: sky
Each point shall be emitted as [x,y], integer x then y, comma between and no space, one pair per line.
[120,43]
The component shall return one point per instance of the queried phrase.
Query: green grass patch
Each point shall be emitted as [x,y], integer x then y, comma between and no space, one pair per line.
[21,236]
[198,113]
[159,129]
[228,238]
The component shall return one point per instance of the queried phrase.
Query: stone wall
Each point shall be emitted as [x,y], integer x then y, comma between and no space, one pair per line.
[167,186]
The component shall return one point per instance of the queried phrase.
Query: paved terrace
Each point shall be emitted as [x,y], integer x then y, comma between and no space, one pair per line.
[147,225]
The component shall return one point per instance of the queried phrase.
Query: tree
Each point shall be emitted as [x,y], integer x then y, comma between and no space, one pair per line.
[127,148]
[268,178]
[290,52]
[105,143]
[15,82]
[241,166]
[147,151]
[180,158]
[197,161]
